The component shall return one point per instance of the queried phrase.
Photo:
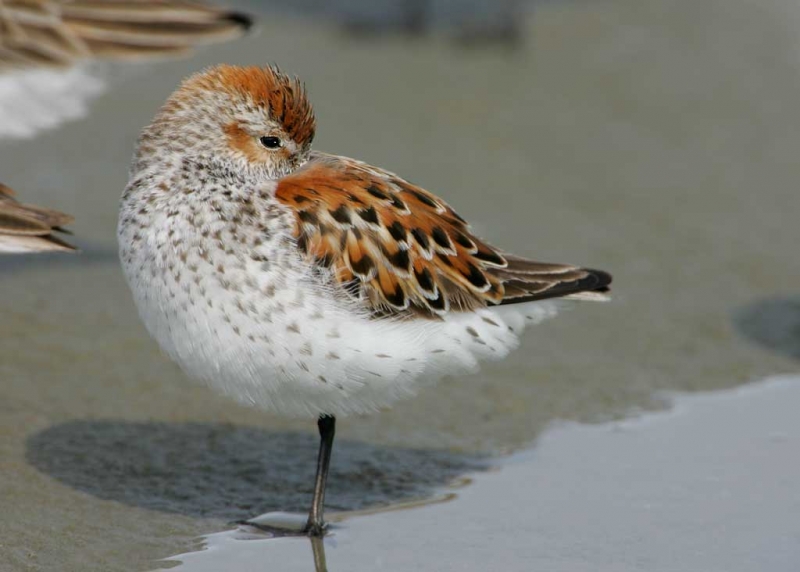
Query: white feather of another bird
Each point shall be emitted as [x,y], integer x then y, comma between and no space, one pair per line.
[38,99]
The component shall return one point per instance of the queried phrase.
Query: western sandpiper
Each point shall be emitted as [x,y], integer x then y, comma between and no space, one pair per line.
[306,283]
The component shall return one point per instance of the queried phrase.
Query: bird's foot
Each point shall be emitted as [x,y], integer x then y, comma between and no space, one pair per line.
[276,531]
[315,529]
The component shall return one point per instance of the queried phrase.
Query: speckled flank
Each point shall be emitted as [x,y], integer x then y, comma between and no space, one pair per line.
[242,302]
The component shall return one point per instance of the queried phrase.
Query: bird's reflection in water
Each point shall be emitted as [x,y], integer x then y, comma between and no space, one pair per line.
[269,544]
[278,536]
[318,549]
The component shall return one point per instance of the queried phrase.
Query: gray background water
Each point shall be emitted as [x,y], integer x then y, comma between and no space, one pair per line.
[654,139]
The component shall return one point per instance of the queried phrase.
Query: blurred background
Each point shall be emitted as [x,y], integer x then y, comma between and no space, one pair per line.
[654,139]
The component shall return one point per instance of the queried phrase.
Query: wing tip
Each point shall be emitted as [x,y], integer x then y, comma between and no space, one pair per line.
[597,291]
[594,286]
[241,19]
[602,278]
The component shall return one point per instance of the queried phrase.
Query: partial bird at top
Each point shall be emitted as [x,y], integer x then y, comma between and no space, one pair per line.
[45,44]
[46,47]
[60,32]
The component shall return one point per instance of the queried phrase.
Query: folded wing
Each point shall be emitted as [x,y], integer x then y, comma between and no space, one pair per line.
[400,248]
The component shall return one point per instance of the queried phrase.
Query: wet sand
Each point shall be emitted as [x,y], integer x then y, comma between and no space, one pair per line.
[656,140]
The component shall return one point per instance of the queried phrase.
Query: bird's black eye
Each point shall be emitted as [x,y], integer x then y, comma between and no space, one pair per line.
[271,142]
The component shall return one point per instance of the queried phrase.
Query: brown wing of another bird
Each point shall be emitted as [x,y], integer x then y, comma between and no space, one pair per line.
[58,32]
[29,228]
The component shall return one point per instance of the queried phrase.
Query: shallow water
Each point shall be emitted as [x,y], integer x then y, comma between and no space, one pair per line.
[666,492]
[653,139]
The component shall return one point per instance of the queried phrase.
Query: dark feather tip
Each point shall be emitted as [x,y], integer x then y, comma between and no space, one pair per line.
[603,280]
[241,19]
[594,281]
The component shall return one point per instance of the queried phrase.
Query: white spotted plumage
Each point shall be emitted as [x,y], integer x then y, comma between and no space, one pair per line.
[223,284]
[240,309]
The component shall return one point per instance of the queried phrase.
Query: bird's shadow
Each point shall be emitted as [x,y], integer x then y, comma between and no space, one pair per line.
[232,472]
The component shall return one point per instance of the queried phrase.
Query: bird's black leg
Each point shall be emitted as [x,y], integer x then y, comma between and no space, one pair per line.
[327,427]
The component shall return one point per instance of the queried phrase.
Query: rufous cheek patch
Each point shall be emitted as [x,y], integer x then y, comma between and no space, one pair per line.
[244,143]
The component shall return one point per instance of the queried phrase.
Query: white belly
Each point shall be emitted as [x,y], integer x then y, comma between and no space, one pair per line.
[264,329]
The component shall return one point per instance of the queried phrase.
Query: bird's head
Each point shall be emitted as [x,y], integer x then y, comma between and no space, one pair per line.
[250,119]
